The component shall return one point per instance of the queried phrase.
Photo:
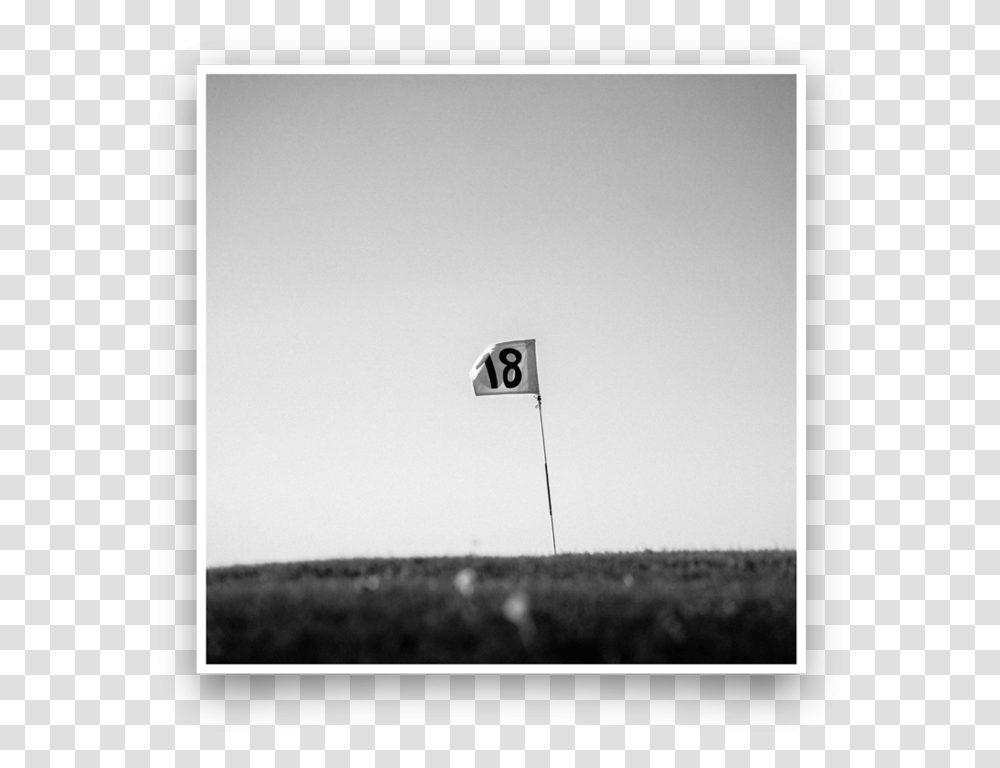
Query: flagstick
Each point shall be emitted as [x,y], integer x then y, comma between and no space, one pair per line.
[545,458]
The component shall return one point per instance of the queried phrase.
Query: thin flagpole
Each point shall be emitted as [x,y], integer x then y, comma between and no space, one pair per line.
[545,458]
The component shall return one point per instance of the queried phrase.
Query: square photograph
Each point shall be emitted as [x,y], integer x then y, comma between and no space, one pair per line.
[501,369]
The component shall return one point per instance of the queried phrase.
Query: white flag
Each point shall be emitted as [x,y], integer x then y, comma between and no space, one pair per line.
[507,368]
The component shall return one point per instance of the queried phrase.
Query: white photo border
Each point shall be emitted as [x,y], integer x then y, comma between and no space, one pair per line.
[799,667]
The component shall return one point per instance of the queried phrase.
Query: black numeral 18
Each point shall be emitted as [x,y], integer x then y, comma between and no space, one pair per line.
[511,372]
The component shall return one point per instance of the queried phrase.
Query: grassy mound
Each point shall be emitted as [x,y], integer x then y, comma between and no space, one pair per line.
[719,607]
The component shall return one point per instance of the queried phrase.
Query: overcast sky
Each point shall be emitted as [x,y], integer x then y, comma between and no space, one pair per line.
[369,235]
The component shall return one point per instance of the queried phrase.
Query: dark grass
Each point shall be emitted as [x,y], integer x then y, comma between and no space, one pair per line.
[716,607]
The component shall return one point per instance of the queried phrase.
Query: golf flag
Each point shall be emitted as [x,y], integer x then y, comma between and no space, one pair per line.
[507,368]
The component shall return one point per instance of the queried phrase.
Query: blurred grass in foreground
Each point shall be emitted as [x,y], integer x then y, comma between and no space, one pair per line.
[714,607]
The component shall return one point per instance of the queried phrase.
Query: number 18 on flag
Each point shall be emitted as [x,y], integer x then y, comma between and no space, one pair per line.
[507,368]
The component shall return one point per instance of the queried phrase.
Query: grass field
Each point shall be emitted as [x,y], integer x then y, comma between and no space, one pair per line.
[717,607]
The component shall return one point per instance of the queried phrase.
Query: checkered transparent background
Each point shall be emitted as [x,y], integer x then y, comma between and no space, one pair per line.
[97,383]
